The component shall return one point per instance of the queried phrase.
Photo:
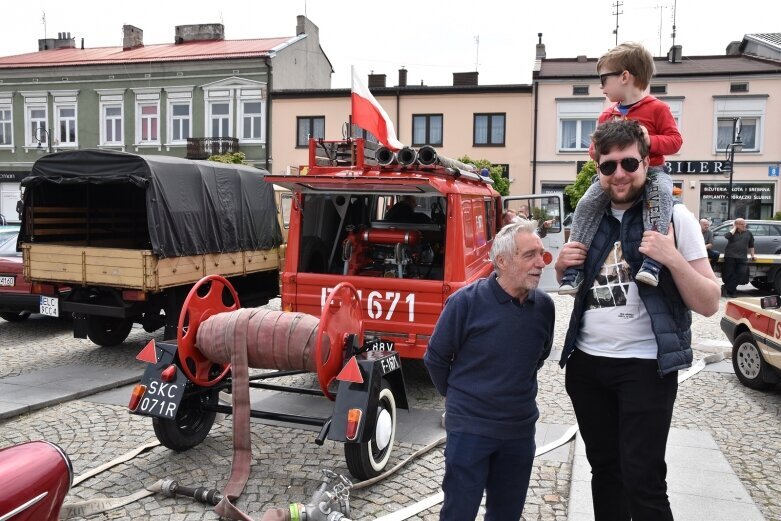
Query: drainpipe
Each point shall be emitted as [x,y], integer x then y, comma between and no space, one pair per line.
[269,86]
[534,137]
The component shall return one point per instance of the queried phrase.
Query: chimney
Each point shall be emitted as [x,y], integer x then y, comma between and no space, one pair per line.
[402,77]
[461,79]
[63,41]
[132,37]
[376,80]
[540,49]
[305,26]
[733,49]
[199,33]
[582,58]
[675,55]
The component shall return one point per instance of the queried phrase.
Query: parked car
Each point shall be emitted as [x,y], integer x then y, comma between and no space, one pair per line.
[753,326]
[767,236]
[17,299]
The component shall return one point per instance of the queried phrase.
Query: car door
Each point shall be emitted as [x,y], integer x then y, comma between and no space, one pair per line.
[766,238]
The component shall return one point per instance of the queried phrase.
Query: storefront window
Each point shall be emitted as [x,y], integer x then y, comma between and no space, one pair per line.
[749,200]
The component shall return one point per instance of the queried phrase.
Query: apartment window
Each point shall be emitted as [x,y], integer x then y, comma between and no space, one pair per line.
[112,125]
[6,126]
[748,133]
[148,123]
[66,124]
[179,122]
[220,118]
[427,129]
[576,133]
[251,115]
[309,126]
[577,120]
[489,129]
[738,87]
[580,90]
[658,89]
[36,125]
[750,110]
[358,132]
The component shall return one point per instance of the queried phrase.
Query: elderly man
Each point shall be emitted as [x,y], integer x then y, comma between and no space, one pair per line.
[626,341]
[707,236]
[487,347]
[740,245]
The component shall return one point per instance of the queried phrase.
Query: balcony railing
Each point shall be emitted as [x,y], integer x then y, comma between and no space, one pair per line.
[203,147]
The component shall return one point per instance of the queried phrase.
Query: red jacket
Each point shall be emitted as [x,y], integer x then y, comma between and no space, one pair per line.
[655,116]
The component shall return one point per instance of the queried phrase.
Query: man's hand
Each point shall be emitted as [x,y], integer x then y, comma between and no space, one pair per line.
[660,248]
[571,254]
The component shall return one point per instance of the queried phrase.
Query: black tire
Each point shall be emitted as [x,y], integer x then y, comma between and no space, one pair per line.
[11,316]
[191,425]
[750,368]
[777,283]
[314,255]
[762,284]
[367,460]
[108,331]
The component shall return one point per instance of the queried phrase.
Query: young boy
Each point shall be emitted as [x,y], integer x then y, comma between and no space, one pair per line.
[625,72]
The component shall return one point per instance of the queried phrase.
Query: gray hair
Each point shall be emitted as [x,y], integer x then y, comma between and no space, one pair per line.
[504,242]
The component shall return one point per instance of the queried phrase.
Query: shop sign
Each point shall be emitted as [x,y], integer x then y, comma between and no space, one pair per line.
[740,192]
[13,176]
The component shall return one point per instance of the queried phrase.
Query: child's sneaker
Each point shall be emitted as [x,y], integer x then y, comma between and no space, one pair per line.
[571,281]
[649,272]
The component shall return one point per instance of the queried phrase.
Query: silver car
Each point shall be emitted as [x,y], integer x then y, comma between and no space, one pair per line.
[767,236]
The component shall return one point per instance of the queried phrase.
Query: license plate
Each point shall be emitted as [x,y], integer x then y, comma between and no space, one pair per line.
[162,399]
[50,306]
[7,281]
[378,345]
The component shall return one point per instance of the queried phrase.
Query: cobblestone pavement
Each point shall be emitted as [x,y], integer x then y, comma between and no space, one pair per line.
[286,466]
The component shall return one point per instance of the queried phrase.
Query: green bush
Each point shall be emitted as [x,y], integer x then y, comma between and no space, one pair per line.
[238,158]
[501,184]
[582,182]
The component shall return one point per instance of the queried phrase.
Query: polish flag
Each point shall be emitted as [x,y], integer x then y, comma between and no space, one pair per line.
[370,116]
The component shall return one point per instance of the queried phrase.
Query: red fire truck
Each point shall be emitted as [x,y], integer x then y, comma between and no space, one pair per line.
[406,229]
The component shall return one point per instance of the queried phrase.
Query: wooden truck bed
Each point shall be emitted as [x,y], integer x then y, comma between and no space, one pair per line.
[136,269]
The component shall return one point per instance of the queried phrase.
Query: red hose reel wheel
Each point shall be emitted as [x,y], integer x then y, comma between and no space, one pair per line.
[203,301]
[341,317]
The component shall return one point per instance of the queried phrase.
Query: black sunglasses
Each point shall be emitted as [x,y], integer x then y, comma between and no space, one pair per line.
[603,77]
[629,164]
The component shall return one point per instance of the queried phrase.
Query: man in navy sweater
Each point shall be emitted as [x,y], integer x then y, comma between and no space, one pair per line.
[489,342]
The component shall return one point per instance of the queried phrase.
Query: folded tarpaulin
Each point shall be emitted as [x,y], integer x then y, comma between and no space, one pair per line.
[192,207]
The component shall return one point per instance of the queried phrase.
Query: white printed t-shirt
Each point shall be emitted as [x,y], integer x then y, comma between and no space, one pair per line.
[616,323]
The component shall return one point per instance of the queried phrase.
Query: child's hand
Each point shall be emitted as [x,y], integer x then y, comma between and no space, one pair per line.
[646,136]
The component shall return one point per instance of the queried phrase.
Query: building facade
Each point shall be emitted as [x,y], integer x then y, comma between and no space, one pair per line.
[194,97]
[490,122]
[707,96]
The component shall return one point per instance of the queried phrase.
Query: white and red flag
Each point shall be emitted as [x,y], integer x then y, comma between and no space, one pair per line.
[370,116]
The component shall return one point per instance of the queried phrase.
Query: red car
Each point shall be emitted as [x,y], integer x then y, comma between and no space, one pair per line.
[17,298]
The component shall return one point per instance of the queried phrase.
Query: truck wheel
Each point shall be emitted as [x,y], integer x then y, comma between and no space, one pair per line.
[191,424]
[777,283]
[367,460]
[15,317]
[108,331]
[750,368]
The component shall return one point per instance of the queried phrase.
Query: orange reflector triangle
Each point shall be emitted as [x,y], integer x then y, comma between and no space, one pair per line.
[149,353]
[351,372]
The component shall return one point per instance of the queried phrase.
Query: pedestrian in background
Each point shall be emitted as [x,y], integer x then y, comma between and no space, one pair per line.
[740,246]
[489,342]
[707,236]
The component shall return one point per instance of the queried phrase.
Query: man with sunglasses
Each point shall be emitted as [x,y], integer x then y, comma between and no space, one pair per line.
[624,73]
[626,342]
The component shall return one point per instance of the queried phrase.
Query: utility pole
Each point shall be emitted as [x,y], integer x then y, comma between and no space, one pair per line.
[617,5]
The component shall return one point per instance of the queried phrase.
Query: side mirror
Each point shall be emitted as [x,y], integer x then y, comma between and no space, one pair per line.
[771,302]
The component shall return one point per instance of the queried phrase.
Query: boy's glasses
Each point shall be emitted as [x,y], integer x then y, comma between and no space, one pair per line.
[603,77]
[629,164]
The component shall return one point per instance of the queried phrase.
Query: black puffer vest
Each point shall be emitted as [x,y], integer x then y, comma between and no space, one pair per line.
[670,318]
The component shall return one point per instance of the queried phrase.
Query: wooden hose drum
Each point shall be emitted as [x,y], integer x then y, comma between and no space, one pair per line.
[212,324]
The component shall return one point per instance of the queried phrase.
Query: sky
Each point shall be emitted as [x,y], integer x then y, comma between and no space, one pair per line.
[430,38]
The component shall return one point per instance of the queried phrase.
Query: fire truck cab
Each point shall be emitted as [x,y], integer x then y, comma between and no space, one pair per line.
[406,229]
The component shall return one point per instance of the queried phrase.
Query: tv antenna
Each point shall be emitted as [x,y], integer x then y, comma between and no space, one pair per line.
[43,21]
[477,50]
[675,5]
[661,9]
[617,5]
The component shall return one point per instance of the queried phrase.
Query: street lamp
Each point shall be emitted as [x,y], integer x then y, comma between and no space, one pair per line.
[735,146]
[42,135]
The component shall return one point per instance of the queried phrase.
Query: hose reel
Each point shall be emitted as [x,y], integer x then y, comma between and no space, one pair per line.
[274,339]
